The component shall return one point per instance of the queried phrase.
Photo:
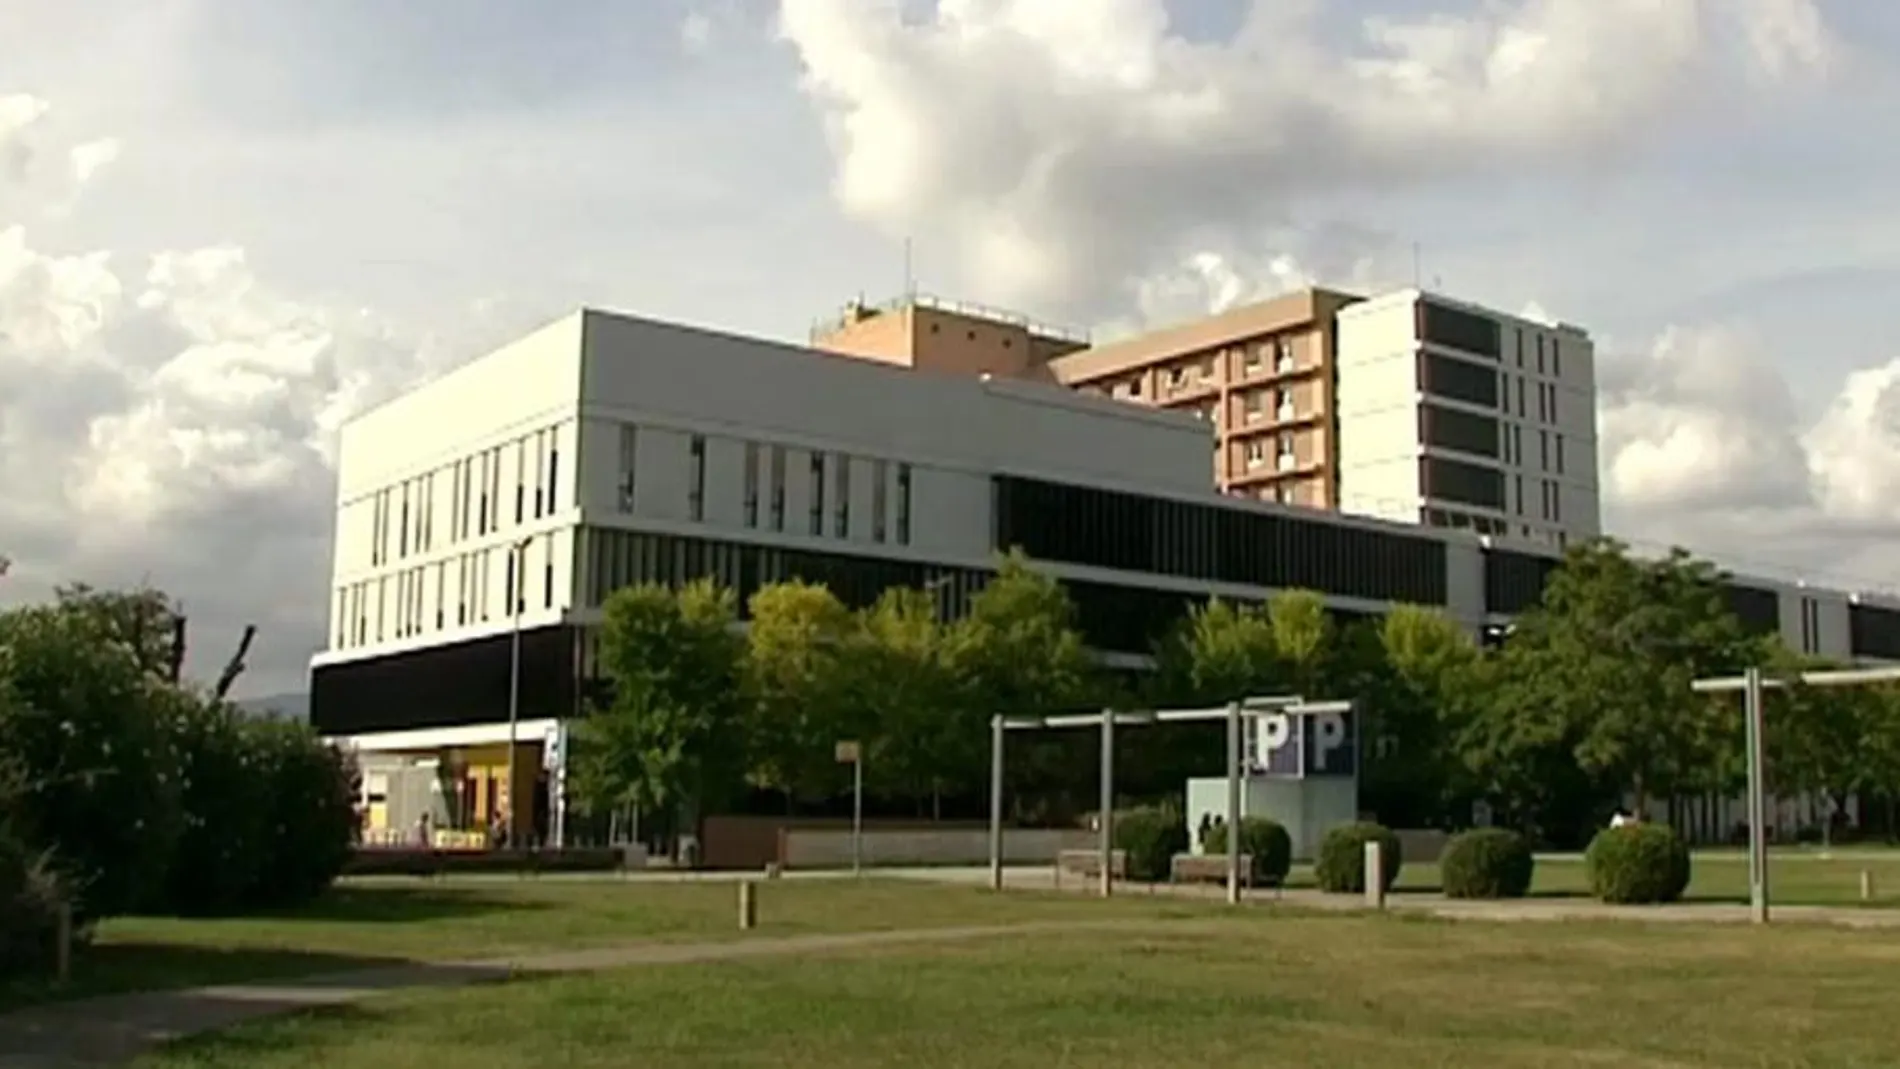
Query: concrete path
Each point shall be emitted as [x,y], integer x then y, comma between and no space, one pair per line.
[117,1028]
[1041,878]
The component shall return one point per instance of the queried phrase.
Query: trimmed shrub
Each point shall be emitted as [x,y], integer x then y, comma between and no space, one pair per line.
[1487,863]
[397,862]
[1264,840]
[311,825]
[1151,837]
[1638,864]
[223,847]
[1341,866]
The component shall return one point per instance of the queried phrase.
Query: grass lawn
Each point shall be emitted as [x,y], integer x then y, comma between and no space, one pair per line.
[360,925]
[1253,988]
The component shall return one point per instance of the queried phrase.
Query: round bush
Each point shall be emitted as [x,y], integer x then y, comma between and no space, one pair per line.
[1151,837]
[1487,863]
[1341,867]
[1265,841]
[1638,863]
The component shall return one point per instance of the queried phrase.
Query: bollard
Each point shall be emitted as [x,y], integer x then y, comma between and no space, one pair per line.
[748,907]
[1866,886]
[771,870]
[63,945]
[1375,877]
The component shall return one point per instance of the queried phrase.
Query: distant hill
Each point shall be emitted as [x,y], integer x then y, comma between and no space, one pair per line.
[283,706]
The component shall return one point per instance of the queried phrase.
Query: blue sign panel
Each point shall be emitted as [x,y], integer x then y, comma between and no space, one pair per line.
[1296,745]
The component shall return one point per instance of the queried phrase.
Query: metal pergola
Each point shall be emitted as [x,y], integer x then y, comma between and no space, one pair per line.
[1752,683]
[1107,720]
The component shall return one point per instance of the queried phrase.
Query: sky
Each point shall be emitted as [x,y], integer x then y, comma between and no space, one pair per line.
[225,227]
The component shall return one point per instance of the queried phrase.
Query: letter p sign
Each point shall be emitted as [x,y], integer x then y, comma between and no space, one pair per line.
[1329,745]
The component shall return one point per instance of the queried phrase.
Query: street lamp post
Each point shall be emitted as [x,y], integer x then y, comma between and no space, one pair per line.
[518,559]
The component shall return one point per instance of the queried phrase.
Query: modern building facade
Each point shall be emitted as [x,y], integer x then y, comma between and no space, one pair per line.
[956,337]
[508,498]
[1262,376]
[1452,415]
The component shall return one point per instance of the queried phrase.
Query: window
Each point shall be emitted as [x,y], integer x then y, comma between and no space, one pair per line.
[1462,483]
[903,504]
[481,513]
[880,497]
[778,488]
[1553,404]
[1556,502]
[1283,355]
[817,510]
[1256,452]
[1540,354]
[1455,328]
[554,472]
[455,501]
[521,480]
[508,582]
[547,572]
[382,605]
[342,607]
[843,510]
[1520,397]
[1458,380]
[629,457]
[1556,360]
[1520,347]
[494,489]
[696,495]
[540,472]
[461,590]
[1543,450]
[1560,454]
[752,484]
[1251,357]
[1520,495]
[1283,404]
[1251,403]
[1449,428]
[402,531]
[441,593]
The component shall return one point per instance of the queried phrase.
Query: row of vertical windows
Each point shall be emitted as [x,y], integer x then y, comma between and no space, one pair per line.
[1873,631]
[428,598]
[403,517]
[1455,328]
[1466,432]
[1456,481]
[1458,380]
[767,467]
[1220,543]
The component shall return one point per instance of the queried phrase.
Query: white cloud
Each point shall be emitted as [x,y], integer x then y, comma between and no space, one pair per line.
[1065,149]
[174,419]
[1702,445]
[88,158]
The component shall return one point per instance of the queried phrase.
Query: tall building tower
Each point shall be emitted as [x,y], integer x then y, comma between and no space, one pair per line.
[1261,375]
[1452,415]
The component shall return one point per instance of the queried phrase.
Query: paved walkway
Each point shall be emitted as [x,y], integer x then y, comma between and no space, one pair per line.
[1041,878]
[116,1028]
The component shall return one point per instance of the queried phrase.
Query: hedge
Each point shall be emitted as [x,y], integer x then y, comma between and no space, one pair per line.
[1266,841]
[1341,867]
[1487,863]
[1150,837]
[1638,864]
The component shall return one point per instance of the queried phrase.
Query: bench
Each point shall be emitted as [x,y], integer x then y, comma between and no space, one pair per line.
[1088,864]
[1203,868]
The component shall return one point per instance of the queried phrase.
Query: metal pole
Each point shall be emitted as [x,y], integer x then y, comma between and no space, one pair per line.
[1757,796]
[514,703]
[857,814]
[1233,803]
[996,803]
[1108,801]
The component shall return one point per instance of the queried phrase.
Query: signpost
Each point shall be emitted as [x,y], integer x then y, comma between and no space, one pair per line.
[848,752]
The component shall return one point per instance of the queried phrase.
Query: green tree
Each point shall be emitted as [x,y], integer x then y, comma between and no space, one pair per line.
[145,619]
[918,722]
[1303,639]
[802,701]
[671,734]
[1018,652]
[1593,687]
[1831,742]
[226,797]
[1220,652]
[99,779]
[1417,697]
